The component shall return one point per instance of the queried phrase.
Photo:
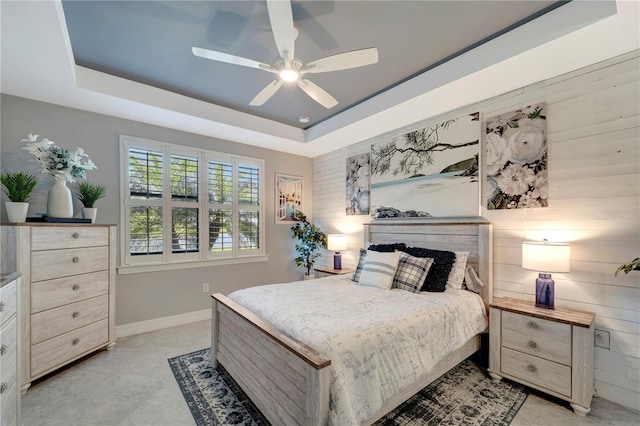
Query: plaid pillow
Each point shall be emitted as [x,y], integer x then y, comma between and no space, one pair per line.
[356,275]
[411,272]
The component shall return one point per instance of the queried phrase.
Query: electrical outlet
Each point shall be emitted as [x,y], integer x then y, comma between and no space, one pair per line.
[601,338]
[205,287]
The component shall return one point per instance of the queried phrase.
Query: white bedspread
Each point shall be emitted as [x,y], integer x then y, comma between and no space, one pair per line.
[378,341]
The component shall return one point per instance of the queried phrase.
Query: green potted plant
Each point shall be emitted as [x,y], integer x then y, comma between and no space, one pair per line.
[18,187]
[88,193]
[310,240]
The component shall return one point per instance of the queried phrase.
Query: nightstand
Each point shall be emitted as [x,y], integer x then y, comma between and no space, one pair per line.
[547,349]
[326,271]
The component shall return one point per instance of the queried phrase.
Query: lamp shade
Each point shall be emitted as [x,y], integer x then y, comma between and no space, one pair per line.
[546,257]
[336,242]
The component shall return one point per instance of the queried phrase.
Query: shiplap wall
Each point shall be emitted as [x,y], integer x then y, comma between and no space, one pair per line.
[593,118]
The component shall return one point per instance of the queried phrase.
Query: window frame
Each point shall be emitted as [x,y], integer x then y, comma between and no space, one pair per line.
[203,257]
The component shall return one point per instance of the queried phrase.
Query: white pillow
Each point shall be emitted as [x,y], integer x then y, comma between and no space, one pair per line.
[379,269]
[456,276]
[472,280]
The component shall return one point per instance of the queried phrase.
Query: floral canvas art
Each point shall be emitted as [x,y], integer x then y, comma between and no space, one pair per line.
[430,171]
[357,195]
[517,159]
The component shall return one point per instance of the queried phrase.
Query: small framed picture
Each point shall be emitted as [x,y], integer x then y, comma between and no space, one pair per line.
[289,197]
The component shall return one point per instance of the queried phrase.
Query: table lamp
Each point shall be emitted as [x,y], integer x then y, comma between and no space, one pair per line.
[337,242]
[546,257]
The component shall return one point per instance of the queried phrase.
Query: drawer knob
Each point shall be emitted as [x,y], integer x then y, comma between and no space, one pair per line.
[4,387]
[532,324]
[532,368]
[76,259]
[3,350]
[75,287]
[75,341]
[75,314]
[532,344]
[75,235]
[2,306]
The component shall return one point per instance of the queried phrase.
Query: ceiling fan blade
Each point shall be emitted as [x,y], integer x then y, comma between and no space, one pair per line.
[266,93]
[317,93]
[281,18]
[343,61]
[229,59]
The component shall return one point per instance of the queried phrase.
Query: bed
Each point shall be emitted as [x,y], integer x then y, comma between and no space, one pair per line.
[288,371]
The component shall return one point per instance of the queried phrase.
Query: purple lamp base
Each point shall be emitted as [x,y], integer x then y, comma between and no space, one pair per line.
[337,260]
[544,291]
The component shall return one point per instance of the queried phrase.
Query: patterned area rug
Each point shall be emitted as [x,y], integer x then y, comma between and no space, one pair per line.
[463,396]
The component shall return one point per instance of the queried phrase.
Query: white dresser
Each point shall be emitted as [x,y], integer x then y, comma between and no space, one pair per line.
[9,356]
[68,292]
[547,349]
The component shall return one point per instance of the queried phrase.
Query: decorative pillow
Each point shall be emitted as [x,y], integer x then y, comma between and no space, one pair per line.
[472,281]
[387,248]
[379,269]
[411,272]
[356,275]
[456,276]
[438,275]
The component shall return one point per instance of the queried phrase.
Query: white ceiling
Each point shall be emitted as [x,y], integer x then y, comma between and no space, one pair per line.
[37,63]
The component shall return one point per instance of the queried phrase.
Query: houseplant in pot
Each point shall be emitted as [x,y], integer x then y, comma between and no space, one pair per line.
[88,193]
[18,187]
[310,240]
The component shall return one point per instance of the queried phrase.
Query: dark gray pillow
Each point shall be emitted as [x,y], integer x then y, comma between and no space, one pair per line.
[388,248]
[438,275]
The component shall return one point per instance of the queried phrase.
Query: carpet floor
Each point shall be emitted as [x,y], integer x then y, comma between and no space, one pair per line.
[463,396]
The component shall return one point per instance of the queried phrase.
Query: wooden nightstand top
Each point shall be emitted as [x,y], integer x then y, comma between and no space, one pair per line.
[564,315]
[332,271]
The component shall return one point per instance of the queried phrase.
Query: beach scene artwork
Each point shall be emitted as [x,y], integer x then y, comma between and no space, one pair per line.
[288,197]
[428,172]
[357,185]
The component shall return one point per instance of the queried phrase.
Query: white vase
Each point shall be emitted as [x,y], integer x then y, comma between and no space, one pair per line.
[16,212]
[90,213]
[59,201]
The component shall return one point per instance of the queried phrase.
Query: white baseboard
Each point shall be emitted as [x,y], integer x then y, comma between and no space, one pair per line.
[160,323]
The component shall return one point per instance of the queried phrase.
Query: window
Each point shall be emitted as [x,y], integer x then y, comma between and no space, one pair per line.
[189,205]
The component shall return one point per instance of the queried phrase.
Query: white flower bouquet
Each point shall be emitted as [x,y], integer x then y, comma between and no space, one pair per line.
[60,163]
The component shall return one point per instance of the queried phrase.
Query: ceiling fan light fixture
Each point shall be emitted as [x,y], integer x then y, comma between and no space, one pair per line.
[289,75]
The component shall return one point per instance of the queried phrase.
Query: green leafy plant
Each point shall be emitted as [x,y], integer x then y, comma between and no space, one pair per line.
[311,240]
[18,186]
[88,193]
[633,265]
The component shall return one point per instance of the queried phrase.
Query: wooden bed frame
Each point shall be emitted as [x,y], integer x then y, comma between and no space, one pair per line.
[289,381]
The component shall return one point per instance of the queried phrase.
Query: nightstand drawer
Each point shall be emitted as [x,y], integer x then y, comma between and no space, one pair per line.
[8,301]
[549,375]
[537,344]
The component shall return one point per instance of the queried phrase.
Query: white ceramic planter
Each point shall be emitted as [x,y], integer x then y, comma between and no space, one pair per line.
[90,213]
[59,201]
[16,212]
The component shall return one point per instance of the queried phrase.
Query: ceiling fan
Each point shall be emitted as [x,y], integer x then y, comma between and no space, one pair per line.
[287,66]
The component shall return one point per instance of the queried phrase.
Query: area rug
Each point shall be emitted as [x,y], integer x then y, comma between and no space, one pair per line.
[463,396]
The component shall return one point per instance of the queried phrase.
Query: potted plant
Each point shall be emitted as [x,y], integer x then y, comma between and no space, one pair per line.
[18,187]
[310,240]
[632,265]
[88,193]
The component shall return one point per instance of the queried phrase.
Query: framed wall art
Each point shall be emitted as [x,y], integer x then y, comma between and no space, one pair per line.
[289,197]
[428,172]
[357,189]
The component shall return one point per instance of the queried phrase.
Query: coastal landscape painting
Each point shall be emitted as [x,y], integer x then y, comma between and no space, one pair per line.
[428,172]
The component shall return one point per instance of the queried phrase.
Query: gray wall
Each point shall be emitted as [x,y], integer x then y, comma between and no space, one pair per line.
[147,296]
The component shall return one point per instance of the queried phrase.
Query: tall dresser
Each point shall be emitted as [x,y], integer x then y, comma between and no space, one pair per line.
[67,295]
[9,355]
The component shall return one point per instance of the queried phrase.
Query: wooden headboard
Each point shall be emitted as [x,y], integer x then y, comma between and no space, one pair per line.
[474,235]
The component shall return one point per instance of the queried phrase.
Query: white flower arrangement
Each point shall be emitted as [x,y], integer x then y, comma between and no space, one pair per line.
[60,163]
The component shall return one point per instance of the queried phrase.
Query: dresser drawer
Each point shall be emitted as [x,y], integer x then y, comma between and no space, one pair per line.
[547,339]
[7,302]
[62,291]
[57,321]
[8,372]
[549,375]
[8,341]
[59,350]
[46,265]
[45,238]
